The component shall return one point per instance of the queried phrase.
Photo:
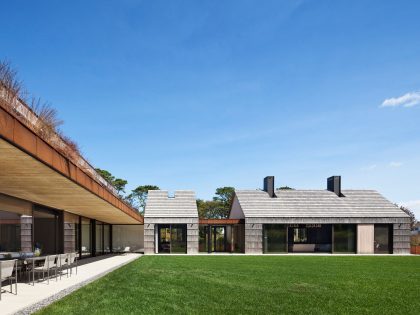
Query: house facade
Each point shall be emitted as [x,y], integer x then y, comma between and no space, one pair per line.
[171,223]
[53,201]
[320,221]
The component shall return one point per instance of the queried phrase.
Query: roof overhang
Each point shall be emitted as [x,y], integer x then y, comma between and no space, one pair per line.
[25,177]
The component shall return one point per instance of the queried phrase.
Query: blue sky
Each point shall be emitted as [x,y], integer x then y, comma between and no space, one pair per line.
[202,94]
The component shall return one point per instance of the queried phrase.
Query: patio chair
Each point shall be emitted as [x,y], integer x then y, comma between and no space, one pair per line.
[49,263]
[63,262]
[72,262]
[6,273]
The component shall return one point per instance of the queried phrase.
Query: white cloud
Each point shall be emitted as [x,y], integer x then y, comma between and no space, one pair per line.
[413,205]
[395,164]
[407,100]
[369,168]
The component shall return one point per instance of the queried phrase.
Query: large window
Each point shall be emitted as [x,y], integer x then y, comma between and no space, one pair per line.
[127,237]
[275,238]
[99,238]
[172,238]
[48,231]
[345,238]
[238,238]
[16,225]
[203,245]
[86,237]
[107,238]
[219,241]
[310,238]
[10,232]
[383,238]
[178,238]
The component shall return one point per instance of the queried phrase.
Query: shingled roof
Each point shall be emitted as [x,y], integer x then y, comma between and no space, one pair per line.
[160,205]
[317,203]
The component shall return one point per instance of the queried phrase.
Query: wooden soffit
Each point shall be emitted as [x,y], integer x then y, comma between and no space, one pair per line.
[25,177]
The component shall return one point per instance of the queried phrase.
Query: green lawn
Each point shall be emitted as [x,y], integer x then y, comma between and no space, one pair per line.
[251,285]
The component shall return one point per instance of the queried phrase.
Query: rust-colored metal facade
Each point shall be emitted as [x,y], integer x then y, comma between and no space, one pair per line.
[16,133]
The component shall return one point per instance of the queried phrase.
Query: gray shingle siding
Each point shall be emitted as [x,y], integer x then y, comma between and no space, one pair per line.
[160,205]
[317,203]
[162,209]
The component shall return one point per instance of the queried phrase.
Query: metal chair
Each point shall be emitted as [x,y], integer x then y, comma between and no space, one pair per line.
[63,262]
[72,262]
[49,263]
[6,273]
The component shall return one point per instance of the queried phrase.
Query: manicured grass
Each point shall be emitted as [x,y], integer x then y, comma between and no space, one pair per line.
[252,285]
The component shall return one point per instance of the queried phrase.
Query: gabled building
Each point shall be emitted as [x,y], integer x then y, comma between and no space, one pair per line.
[317,221]
[171,223]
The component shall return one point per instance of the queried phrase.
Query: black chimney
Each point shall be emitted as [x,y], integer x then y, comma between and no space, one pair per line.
[269,186]
[334,185]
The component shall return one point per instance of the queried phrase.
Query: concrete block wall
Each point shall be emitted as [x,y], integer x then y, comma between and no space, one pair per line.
[192,238]
[402,235]
[149,238]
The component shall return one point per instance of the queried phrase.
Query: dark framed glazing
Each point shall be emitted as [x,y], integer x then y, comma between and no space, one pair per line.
[383,238]
[345,238]
[47,230]
[86,237]
[274,238]
[99,238]
[172,238]
[219,239]
[10,233]
[107,238]
[179,238]
[203,243]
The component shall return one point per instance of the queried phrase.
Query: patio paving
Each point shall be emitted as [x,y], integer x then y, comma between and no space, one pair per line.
[31,298]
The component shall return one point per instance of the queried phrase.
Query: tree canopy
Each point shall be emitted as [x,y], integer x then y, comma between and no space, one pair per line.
[413,220]
[219,207]
[138,196]
[118,183]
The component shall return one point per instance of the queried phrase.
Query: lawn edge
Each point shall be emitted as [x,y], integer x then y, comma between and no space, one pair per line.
[63,293]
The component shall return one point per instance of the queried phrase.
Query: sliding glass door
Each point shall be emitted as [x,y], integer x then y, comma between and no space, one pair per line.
[48,231]
[383,238]
[99,238]
[179,238]
[10,234]
[219,238]
[172,238]
[275,238]
[345,238]
[86,230]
